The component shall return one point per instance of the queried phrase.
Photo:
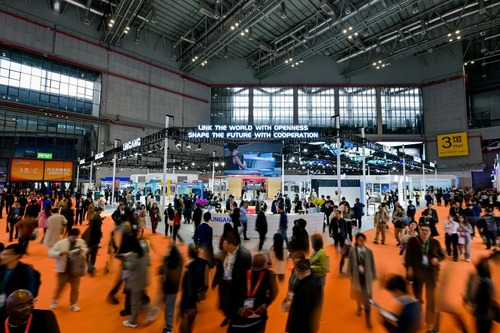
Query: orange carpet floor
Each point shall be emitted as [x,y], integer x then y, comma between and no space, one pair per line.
[338,311]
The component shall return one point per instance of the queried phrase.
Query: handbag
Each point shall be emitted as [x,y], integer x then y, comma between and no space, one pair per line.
[402,248]
[76,265]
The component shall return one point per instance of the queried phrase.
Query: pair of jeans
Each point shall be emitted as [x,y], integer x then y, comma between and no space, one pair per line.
[91,257]
[169,310]
[451,241]
[283,234]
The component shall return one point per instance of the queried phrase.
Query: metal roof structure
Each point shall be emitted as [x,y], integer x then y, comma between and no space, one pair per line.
[277,35]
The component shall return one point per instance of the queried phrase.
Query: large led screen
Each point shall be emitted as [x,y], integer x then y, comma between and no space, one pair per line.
[26,170]
[263,159]
[58,171]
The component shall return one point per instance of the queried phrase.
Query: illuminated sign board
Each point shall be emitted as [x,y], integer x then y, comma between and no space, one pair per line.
[132,144]
[45,156]
[234,132]
[453,144]
[98,156]
[82,161]
[417,159]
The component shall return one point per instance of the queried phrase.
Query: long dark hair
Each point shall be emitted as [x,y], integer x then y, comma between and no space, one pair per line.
[48,210]
[227,228]
[278,246]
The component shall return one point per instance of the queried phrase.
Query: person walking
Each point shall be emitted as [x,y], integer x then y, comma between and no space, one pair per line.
[79,208]
[15,215]
[319,259]
[55,228]
[357,211]
[380,220]
[277,257]
[43,218]
[67,253]
[304,312]
[283,225]
[361,269]
[261,225]
[252,298]
[465,231]
[177,225]
[154,215]
[398,218]
[244,218]
[93,240]
[422,258]
[171,272]
[450,227]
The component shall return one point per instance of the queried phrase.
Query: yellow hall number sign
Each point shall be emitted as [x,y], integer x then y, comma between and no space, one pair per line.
[452,144]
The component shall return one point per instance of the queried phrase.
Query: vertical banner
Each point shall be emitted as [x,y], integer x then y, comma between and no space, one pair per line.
[273,186]
[234,186]
[168,188]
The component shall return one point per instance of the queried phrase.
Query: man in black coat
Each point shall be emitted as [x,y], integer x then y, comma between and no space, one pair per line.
[23,316]
[261,225]
[9,201]
[33,210]
[231,269]
[305,310]
[197,215]
[422,257]
[288,204]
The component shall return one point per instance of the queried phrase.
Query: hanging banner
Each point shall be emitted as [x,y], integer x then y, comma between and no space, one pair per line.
[453,144]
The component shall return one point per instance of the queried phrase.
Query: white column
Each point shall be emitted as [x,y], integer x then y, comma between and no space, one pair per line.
[77,175]
[283,168]
[403,200]
[363,187]
[435,170]
[163,199]
[114,176]
[423,174]
[339,179]
[91,167]
[213,171]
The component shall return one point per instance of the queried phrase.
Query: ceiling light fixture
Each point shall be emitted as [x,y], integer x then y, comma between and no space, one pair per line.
[283,11]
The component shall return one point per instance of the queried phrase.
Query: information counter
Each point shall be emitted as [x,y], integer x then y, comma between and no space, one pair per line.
[314,223]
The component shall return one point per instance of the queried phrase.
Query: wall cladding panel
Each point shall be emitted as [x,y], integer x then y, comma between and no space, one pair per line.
[26,34]
[81,52]
[167,80]
[163,103]
[126,99]
[129,67]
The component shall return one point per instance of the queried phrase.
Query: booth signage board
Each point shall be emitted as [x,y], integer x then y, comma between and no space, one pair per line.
[452,144]
[235,132]
[98,156]
[44,156]
[26,170]
[132,144]
[58,171]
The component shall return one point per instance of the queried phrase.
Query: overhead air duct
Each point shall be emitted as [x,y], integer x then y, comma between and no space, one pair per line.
[57,7]
[328,8]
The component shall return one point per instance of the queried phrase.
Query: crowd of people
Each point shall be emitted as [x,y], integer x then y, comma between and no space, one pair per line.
[247,281]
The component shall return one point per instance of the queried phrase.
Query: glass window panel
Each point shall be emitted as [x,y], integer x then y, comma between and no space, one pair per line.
[401,110]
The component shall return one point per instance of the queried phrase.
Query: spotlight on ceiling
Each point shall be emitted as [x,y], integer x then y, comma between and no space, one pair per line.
[283,11]
[178,145]
[415,8]
[188,146]
[482,8]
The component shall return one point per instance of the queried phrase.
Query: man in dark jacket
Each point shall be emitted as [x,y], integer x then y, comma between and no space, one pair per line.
[408,320]
[283,226]
[422,258]
[9,201]
[33,210]
[305,310]
[197,216]
[249,310]
[25,318]
[204,233]
[288,204]
[15,274]
[261,225]
[357,211]
[231,268]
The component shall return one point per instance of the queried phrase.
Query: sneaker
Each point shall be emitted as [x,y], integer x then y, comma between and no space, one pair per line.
[166,330]
[74,307]
[153,313]
[467,260]
[126,323]
[53,304]
[375,242]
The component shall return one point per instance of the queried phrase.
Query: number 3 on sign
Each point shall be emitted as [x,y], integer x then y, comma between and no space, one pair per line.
[446,142]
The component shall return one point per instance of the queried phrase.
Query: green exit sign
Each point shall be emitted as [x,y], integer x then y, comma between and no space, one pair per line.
[45,156]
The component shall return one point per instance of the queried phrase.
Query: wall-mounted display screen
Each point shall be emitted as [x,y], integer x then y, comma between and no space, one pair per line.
[22,170]
[58,171]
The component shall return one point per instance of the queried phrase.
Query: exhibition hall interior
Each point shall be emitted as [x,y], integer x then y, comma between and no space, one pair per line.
[318,117]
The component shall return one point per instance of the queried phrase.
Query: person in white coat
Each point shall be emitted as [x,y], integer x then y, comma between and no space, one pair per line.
[65,251]
[55,227]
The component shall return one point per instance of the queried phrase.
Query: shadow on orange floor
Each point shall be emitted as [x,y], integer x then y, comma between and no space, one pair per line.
[338,311]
